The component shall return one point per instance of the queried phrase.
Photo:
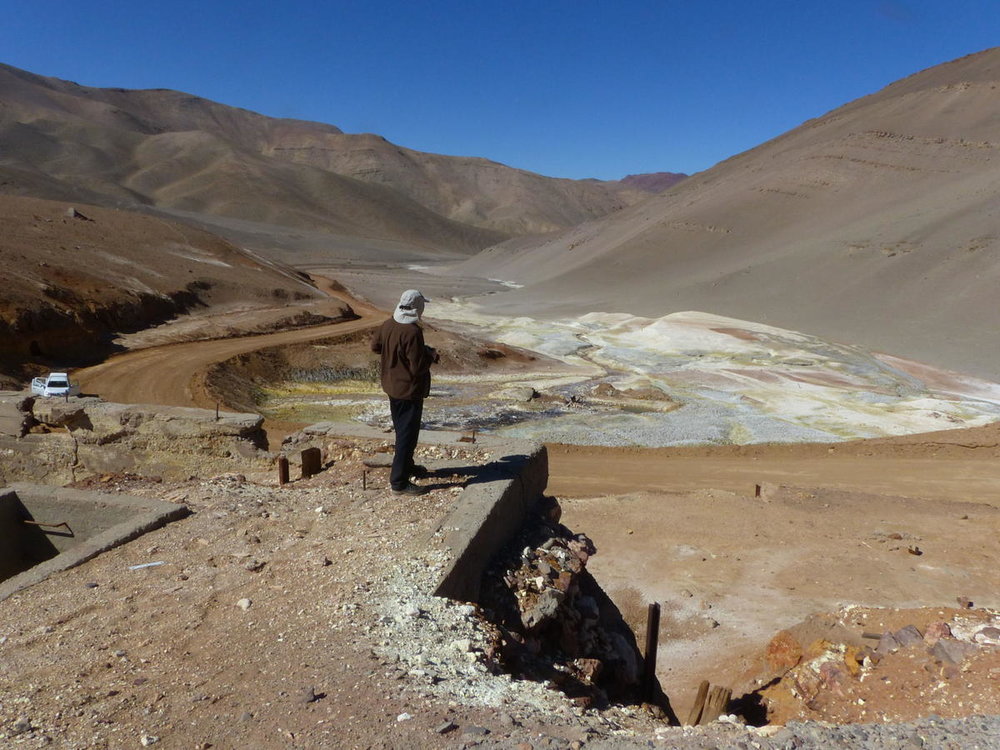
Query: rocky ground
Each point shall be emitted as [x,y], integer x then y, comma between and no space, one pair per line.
[299,616]
[294,616]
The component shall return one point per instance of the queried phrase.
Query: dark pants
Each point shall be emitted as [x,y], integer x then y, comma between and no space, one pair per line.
[406,422]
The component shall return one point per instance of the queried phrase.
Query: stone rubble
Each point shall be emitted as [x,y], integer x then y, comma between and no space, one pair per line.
[554,623]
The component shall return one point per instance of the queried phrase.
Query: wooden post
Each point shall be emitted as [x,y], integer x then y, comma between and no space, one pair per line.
[756,490]
[364,479]
[311,460]
[709,704]
[716,704]
[282,470]
[216,411]
[694,715]
[652,641]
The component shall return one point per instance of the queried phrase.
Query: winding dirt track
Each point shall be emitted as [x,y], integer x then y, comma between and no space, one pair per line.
[173,374]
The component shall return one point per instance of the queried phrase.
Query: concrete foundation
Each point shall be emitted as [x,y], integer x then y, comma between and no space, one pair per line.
[67,527]
[488,514]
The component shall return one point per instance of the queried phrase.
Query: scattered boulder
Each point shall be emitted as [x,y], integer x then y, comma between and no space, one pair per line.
[73,213]
[838,677]
[89,436]
[783,652]
[15,414]
[604,390]
[649,393]
[518,393]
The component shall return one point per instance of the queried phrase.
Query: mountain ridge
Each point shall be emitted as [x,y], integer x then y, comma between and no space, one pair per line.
[120,146]
[847,227]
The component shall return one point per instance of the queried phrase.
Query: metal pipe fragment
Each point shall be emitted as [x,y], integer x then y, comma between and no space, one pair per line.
[48,525]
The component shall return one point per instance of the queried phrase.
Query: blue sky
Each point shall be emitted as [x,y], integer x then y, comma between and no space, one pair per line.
[585,88]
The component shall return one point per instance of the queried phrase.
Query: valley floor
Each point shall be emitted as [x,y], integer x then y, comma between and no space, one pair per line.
[167,653]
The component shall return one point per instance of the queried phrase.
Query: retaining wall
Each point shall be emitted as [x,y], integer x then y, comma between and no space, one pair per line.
[94,522]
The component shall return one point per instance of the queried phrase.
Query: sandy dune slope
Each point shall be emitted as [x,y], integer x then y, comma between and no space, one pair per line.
[876,224]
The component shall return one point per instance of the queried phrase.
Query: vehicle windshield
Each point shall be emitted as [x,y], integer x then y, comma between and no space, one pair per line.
[58,384]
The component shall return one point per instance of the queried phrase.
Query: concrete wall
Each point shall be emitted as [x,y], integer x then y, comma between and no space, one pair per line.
[88,436]
[21,545]
[97,522]
[489,513]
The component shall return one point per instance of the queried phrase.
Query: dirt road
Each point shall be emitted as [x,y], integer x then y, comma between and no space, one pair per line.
[956,464]
[173,374]
[960,465]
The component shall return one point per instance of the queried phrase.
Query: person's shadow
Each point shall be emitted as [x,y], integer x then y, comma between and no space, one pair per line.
[507,467]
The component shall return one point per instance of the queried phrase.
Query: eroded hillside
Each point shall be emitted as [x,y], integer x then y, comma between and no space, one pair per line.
[74,276]
[181,152]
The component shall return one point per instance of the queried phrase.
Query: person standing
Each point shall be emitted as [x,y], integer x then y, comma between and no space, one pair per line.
[406,379]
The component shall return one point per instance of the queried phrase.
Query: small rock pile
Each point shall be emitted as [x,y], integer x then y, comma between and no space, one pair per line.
[944,667]
[554,624]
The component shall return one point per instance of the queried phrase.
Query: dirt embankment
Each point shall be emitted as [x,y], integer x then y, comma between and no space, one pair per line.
[949,465]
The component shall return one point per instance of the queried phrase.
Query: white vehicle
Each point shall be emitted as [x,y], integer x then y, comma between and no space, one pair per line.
[56,384]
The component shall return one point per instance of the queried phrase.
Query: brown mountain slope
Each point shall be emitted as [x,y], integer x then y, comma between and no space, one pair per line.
[653,182]
[877,224]
[178,151]
[471,190]
[71,282]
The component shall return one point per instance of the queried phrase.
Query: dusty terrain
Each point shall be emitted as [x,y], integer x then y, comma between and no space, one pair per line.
[298,616]
[731,570]
[74,276]
[279,617]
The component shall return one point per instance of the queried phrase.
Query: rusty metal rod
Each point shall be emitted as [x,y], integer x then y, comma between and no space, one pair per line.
[48,525]
[652,642]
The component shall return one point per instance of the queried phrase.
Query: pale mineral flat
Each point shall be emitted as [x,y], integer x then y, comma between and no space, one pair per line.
[736,381]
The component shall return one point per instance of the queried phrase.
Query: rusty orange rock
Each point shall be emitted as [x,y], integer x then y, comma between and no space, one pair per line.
[783,652]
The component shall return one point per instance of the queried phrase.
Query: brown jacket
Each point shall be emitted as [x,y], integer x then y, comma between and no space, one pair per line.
[406,360]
